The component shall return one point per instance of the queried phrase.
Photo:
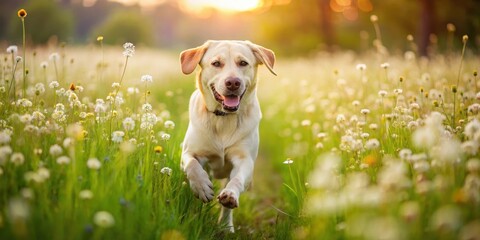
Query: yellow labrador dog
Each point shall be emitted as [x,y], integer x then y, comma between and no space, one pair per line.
[224,113]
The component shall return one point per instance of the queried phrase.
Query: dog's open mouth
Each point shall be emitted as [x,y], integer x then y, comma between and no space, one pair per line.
[229,103]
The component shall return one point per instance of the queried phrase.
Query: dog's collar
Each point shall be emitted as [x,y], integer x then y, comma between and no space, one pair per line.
[219,113]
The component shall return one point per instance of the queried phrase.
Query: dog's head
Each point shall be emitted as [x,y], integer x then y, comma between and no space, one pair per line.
[228,71]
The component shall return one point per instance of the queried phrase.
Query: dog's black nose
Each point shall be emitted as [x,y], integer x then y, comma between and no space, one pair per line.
[232,83]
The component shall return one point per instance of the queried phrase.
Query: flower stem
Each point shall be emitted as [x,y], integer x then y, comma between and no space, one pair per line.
[24,68]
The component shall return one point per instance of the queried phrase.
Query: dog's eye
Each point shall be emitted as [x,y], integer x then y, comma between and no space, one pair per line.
[216,64]
[243,63]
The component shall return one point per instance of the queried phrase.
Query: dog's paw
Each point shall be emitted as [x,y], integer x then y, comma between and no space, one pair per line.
[201,186]
[228,198]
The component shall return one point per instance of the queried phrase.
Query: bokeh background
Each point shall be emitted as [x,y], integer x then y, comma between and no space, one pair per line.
[291,27]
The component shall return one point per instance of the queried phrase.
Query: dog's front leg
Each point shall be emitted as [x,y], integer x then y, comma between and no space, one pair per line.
[239,177]
[198,178]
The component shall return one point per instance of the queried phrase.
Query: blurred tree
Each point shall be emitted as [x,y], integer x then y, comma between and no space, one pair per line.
[326,21]
[45,19]
[426,25]
[126,26]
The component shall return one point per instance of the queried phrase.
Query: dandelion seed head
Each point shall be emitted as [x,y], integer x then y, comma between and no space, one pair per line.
[470,147]
[288,161]
[372,144]
[68,142]
[165,136]
[446,218]
[148,120]
[365,111]
[146,107]
[373,18]
[385,65]
[85,194]
[146,78]
[18,210]
[117,136]
[382,93]
[103,219]
[53,84]
[94,163]
[166,171]
[4,138]
[132,90]
[473,165]
[116,85]
[54,57]
[27,193]
[169,124]
[63,160]
[128,124]
[361,67]
[17,159]
[12,49]
[129,49]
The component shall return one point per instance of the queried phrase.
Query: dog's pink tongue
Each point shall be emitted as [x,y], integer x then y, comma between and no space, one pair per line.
[231,101]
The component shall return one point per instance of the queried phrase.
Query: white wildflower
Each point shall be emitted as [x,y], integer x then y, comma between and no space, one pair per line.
[128,124]
[361,66]
[147,107]
[54,57]
[117,136]
[18,210]
[405,153]
[4,137]
[472,130]
[382,93]
[148,120]
[165,136]
[473,165]
[12,49]
[53,84]
[55,150]
[103,219]
[85,194]
[166,170]
[94,163]
[63,160]
[129,49]
[446,218]
[288,161]
[17,159]
[132,90]
[372,144]
[147,79]
[169,124]
[365,111]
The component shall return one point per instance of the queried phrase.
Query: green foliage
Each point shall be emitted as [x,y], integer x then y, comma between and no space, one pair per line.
[45,19]
[126,26]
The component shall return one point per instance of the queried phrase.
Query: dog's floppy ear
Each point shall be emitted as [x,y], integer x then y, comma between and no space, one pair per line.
[190,58]
[264,55]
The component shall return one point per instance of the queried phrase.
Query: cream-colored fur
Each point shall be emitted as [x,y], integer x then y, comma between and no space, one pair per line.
[224,116]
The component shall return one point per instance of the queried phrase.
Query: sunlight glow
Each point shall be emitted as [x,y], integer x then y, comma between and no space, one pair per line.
[221,5]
